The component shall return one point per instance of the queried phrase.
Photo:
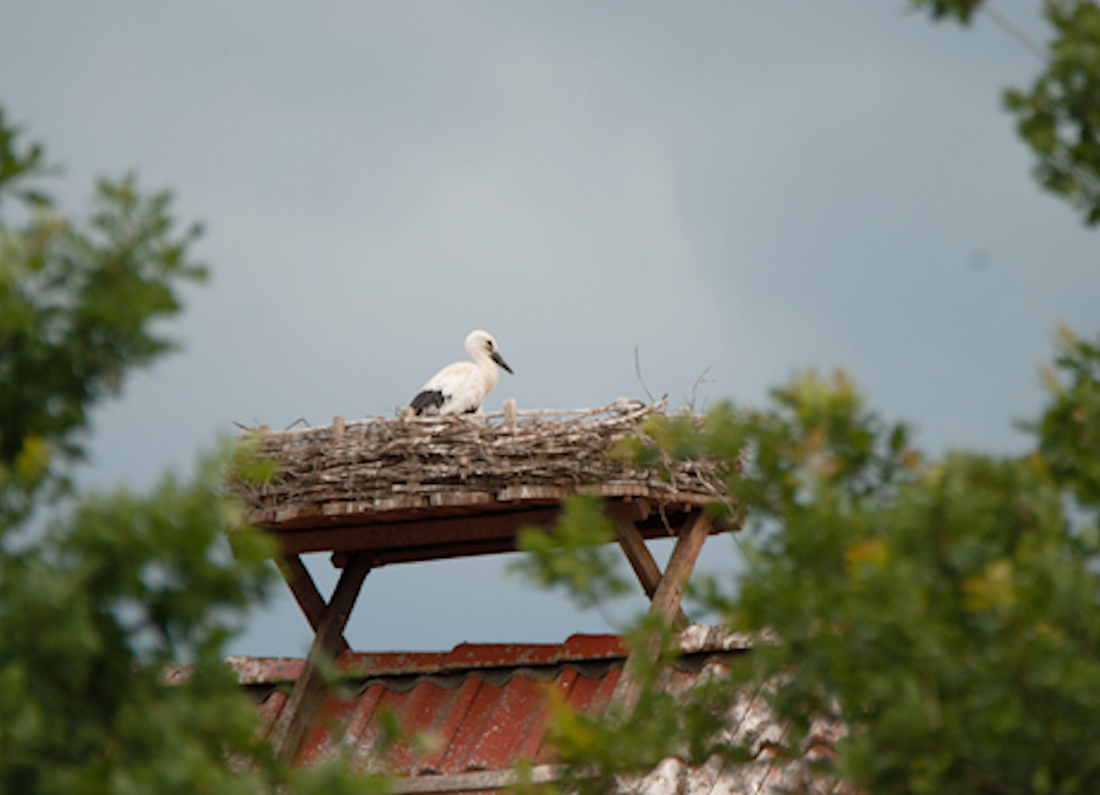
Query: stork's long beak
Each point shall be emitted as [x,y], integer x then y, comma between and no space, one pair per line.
[496,357]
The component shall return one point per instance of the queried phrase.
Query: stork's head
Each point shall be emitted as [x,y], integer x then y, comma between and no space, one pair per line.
[481,345]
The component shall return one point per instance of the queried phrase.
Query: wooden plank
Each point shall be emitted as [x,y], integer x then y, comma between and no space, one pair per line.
[459,499]
[636,551]
[371,511]
[665,603]
[416,533]
[521,493]
[305,699]
[670,591]
[448,536]
[471,782]
[308,597]
[641,559]
[386,557]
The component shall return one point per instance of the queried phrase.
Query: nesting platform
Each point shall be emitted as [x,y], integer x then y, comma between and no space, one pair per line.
[381,491]
[418,488]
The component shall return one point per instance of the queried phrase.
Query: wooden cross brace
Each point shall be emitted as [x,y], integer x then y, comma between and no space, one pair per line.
[665,592]
[328,619]
[624,516]
[305,699]
[309,598]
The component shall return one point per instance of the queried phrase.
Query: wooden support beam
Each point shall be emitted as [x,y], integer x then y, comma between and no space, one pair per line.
[305,699]
[420,533]
[634,547]
[670,591]
[665,604]
[641,559]
[308,597]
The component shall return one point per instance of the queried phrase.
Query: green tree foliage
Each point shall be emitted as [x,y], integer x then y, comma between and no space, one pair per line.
[97,605]
[943,612]
[78,301]
[949,621]
[90,615]
[1069,432]
[1059,116]
[961,10]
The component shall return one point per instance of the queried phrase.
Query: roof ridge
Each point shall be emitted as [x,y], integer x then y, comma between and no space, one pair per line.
[577,648]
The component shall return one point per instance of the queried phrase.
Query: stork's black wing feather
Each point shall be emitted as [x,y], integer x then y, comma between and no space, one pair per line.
[427,399]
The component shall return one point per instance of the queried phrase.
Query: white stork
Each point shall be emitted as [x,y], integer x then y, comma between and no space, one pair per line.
[460,388]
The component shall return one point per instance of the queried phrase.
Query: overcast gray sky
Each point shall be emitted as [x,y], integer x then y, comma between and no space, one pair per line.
[751,188]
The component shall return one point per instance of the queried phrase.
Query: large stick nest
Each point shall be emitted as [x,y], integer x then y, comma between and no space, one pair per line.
[407,462]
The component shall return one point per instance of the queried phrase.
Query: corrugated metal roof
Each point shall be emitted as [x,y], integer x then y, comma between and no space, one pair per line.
[465,656]
[478,706]
[483,707]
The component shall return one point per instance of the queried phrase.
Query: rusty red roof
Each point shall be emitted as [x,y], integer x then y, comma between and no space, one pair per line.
[476,707]
[483,707]
[465,656]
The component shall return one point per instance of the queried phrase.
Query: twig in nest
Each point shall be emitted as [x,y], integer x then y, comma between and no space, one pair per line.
[638,372]
[390,461]
[664,520]
[255,426]
[702,379]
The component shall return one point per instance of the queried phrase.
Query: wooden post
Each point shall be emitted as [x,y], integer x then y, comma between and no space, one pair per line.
[670,591]
[665,603]
[308,597]
[647,571]
[301,708]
